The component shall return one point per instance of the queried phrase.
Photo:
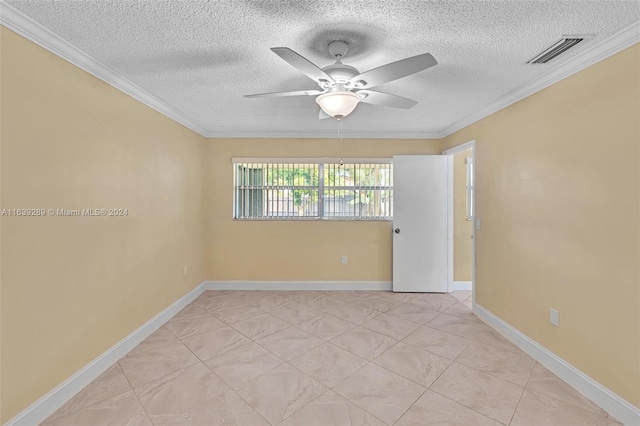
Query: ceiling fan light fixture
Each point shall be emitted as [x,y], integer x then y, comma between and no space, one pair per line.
[338,104]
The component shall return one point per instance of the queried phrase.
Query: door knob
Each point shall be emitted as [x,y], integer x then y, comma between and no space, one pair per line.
[397,230]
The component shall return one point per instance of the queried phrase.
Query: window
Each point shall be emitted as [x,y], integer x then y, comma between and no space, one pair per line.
[279,189]
[470,207]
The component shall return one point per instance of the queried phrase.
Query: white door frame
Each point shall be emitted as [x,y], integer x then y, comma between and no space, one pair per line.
[450,152]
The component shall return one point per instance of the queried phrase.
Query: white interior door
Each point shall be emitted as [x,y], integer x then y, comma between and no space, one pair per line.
[420,241]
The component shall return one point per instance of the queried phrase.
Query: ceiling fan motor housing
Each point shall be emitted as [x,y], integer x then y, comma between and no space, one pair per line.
[341,73]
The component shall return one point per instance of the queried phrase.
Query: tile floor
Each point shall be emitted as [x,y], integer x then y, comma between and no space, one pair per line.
[307,358]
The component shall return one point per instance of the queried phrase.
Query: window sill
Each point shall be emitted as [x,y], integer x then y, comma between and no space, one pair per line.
[313,219]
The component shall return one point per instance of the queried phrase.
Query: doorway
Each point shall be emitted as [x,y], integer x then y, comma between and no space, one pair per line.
[462,217]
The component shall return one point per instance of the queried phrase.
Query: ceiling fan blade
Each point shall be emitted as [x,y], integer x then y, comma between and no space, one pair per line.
[385,99]
[302,64]
[282,94]
[323,115]
[394,71]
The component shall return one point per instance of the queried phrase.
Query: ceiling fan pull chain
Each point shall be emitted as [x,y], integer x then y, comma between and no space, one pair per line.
[341,162]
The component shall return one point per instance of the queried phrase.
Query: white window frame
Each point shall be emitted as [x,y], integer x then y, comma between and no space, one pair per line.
[321,162]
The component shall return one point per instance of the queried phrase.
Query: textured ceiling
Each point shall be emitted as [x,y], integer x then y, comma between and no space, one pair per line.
[201,57]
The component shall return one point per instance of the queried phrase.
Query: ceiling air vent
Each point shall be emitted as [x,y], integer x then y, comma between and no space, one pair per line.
[557,48]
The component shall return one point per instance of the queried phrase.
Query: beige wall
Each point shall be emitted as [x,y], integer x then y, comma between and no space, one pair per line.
[295,250]
[1,421]
[462,228]
[74,286]
[558,191]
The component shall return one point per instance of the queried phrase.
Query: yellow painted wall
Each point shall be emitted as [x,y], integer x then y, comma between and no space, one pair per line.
[295,250]
[558,196]
[1,233]
[558,190]
[74,286]
[462,228]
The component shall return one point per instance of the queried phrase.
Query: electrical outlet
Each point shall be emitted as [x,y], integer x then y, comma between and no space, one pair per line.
[344,260]
[554,317]
[185,270]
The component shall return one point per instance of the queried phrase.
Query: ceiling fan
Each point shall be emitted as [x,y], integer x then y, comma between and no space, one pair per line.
[342,86]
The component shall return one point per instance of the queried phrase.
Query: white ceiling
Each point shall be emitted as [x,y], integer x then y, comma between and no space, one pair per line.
[200,57]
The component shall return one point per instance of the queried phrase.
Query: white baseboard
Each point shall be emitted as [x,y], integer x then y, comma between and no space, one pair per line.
[613,404]
[461,285]
[56,398]
[297,285]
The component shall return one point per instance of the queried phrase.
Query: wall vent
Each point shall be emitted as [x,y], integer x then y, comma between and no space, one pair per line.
[556,49]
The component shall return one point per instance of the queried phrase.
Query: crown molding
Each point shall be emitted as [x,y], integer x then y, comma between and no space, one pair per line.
[323,135]
[596,53]
[33,31]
